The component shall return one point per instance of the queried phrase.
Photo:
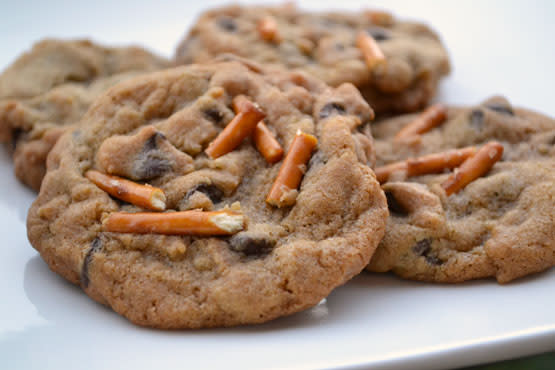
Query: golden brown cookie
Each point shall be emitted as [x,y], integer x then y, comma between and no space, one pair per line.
[451,220]
[242,238]
[51,87]
[395,64]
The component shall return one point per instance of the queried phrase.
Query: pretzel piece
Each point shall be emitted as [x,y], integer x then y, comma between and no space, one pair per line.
[144,196]
[241,126]
[265,141]
[428,164]
[433,116]
[268,29]
[292,170]
[370,50]
[176,223]
[473,167]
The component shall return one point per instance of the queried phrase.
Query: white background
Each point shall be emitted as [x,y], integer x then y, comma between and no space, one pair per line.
[496,47]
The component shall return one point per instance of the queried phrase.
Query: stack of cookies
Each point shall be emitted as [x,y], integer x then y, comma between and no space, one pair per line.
[279,154]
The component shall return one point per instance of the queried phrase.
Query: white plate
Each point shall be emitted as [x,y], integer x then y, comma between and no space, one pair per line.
[374,321]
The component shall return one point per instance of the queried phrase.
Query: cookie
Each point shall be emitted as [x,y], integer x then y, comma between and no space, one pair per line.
[262,238]
[51,87]
[500,224]
[330,46]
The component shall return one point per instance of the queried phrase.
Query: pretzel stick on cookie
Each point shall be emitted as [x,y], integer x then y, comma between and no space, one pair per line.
[473,167]
[292,170]
[176,223]
[144,196]
[265,141]
[428,164]
[241,126]
[370,50]
[379,17]
[268,29]
[433,116]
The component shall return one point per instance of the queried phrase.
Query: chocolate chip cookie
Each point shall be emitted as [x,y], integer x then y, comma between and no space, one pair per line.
[51,87]
[395,64]
[499,222]
[173,205]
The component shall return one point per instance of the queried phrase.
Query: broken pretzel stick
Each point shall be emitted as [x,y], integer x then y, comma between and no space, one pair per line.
[433,116]
[379,17]
[473,167]
[241,126]
[428,164]
[265,141]
[176,223]
[268,29]
[370,50]
[292,169]
[145,196]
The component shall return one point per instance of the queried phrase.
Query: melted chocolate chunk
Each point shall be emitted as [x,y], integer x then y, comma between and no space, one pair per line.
[501,108]
[331,109]
[152,162]
[213,114]
[152,142]
[378,33]
[96,245]
[16,135]
[210,190]
[251,244]
[433,260]
[477,119]
[424,248]
[395,208]
[227,24]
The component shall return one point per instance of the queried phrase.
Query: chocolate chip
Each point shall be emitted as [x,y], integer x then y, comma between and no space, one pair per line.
[378,33]
[339,46]
[501,108]
[251,244]
[210,190]
[152,163]
[213,114]
[332,109]
[152,142]
[395,208]
[477,119]
[433,260]
[422,247]
[96,245]
[16,135]
[227,24]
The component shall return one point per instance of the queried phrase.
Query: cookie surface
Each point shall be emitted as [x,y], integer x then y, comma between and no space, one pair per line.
[51,87]
[324,45]
[500,225]
[154,130]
